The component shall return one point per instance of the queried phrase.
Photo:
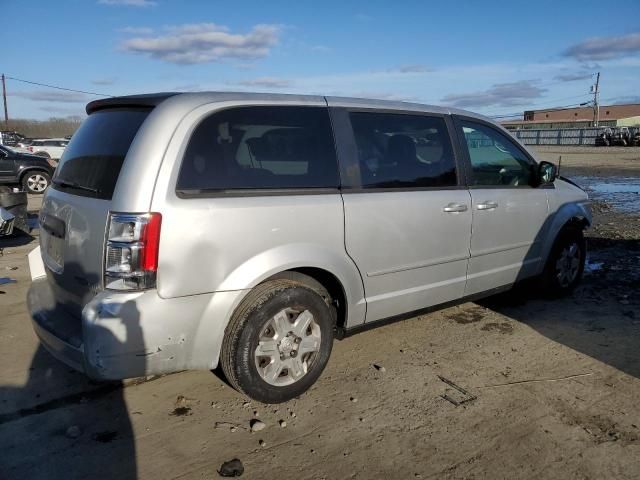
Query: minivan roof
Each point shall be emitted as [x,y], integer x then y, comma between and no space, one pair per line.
[154,99]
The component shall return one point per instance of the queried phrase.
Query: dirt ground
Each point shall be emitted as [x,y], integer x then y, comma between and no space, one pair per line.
[550,388]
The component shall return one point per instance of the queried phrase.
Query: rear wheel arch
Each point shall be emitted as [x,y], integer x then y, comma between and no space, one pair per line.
[323,281]
[242,344]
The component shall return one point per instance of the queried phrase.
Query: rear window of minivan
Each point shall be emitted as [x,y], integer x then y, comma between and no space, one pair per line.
[91,163]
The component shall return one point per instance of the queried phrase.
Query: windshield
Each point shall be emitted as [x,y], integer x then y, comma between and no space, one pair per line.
[92,161]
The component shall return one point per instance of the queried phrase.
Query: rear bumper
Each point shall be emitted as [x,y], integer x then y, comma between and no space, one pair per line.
[58,332]
[127,335]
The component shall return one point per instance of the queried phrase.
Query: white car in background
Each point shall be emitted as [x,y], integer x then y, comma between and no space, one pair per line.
[48,147]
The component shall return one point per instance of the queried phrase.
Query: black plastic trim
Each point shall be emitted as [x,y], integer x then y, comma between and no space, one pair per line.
[347,190]
[255,192]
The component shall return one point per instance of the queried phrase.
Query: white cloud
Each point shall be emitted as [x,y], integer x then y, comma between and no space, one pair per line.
[266,82]
[572,77]
[500,95]
[104,81]
[205,43]
[129,3]
[52,96]
[410,68]
[605,48]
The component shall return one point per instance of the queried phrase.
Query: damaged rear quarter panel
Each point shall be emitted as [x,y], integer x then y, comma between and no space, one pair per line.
[137,334]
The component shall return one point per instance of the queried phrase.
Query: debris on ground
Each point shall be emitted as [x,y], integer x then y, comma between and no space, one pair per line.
[182,406]
[283,424]
[257,425]
[262,443]
[379,368]
[456,394]
[232,468]
[231,426]
[5,280]
[353,399]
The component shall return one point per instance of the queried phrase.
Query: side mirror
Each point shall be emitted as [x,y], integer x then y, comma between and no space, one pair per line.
[547,172]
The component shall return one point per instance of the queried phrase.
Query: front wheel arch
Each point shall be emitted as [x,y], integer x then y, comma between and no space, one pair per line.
[571,234]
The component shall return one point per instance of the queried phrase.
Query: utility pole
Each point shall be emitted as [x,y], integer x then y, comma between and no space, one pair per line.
[4,99]
[596,105]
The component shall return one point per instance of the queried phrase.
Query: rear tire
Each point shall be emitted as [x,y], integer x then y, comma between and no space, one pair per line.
[279,340]
[36,181]
[565,264]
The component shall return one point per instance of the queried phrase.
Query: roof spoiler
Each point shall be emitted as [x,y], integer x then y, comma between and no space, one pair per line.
[129,101]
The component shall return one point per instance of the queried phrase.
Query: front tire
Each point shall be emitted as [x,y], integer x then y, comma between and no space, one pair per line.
[279,340]
[36,182]
[565,264]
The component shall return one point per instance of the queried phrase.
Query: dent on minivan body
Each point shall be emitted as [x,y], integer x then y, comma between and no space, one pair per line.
[230,243]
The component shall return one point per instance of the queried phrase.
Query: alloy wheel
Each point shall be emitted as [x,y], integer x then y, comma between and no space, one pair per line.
[287,347]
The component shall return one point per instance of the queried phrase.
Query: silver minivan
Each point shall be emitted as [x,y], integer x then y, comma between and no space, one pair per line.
[187,231]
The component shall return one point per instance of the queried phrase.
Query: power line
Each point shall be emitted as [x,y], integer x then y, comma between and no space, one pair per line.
[58,88]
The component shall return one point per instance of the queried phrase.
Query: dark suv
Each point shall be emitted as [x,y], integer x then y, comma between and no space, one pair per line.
[32,171]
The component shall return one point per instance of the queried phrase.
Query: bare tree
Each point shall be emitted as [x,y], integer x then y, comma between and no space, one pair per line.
[51,128]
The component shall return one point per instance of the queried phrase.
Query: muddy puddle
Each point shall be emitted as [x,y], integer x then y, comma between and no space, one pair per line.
[623,193]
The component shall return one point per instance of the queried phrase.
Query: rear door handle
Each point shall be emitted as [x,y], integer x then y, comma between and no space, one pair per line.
[455,207]
[487,206]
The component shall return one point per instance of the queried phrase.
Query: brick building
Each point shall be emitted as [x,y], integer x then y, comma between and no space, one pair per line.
[610,116]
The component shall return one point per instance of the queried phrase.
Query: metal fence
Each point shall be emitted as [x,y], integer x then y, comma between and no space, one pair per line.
[561,136]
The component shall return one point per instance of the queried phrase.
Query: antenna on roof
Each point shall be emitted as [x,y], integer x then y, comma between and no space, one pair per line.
[559,165]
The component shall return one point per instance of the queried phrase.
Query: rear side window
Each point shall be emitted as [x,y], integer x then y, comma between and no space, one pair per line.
[403,151]
[260,148]
[93,158]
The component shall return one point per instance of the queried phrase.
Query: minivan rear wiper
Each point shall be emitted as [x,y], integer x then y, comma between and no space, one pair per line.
[63,183]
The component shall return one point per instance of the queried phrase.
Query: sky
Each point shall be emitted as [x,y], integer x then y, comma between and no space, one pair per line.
[496,58]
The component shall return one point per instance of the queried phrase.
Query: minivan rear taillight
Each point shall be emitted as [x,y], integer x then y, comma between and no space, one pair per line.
[131,253]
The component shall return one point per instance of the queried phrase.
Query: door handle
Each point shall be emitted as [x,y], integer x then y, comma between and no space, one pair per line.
[455,207]
[487,206]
